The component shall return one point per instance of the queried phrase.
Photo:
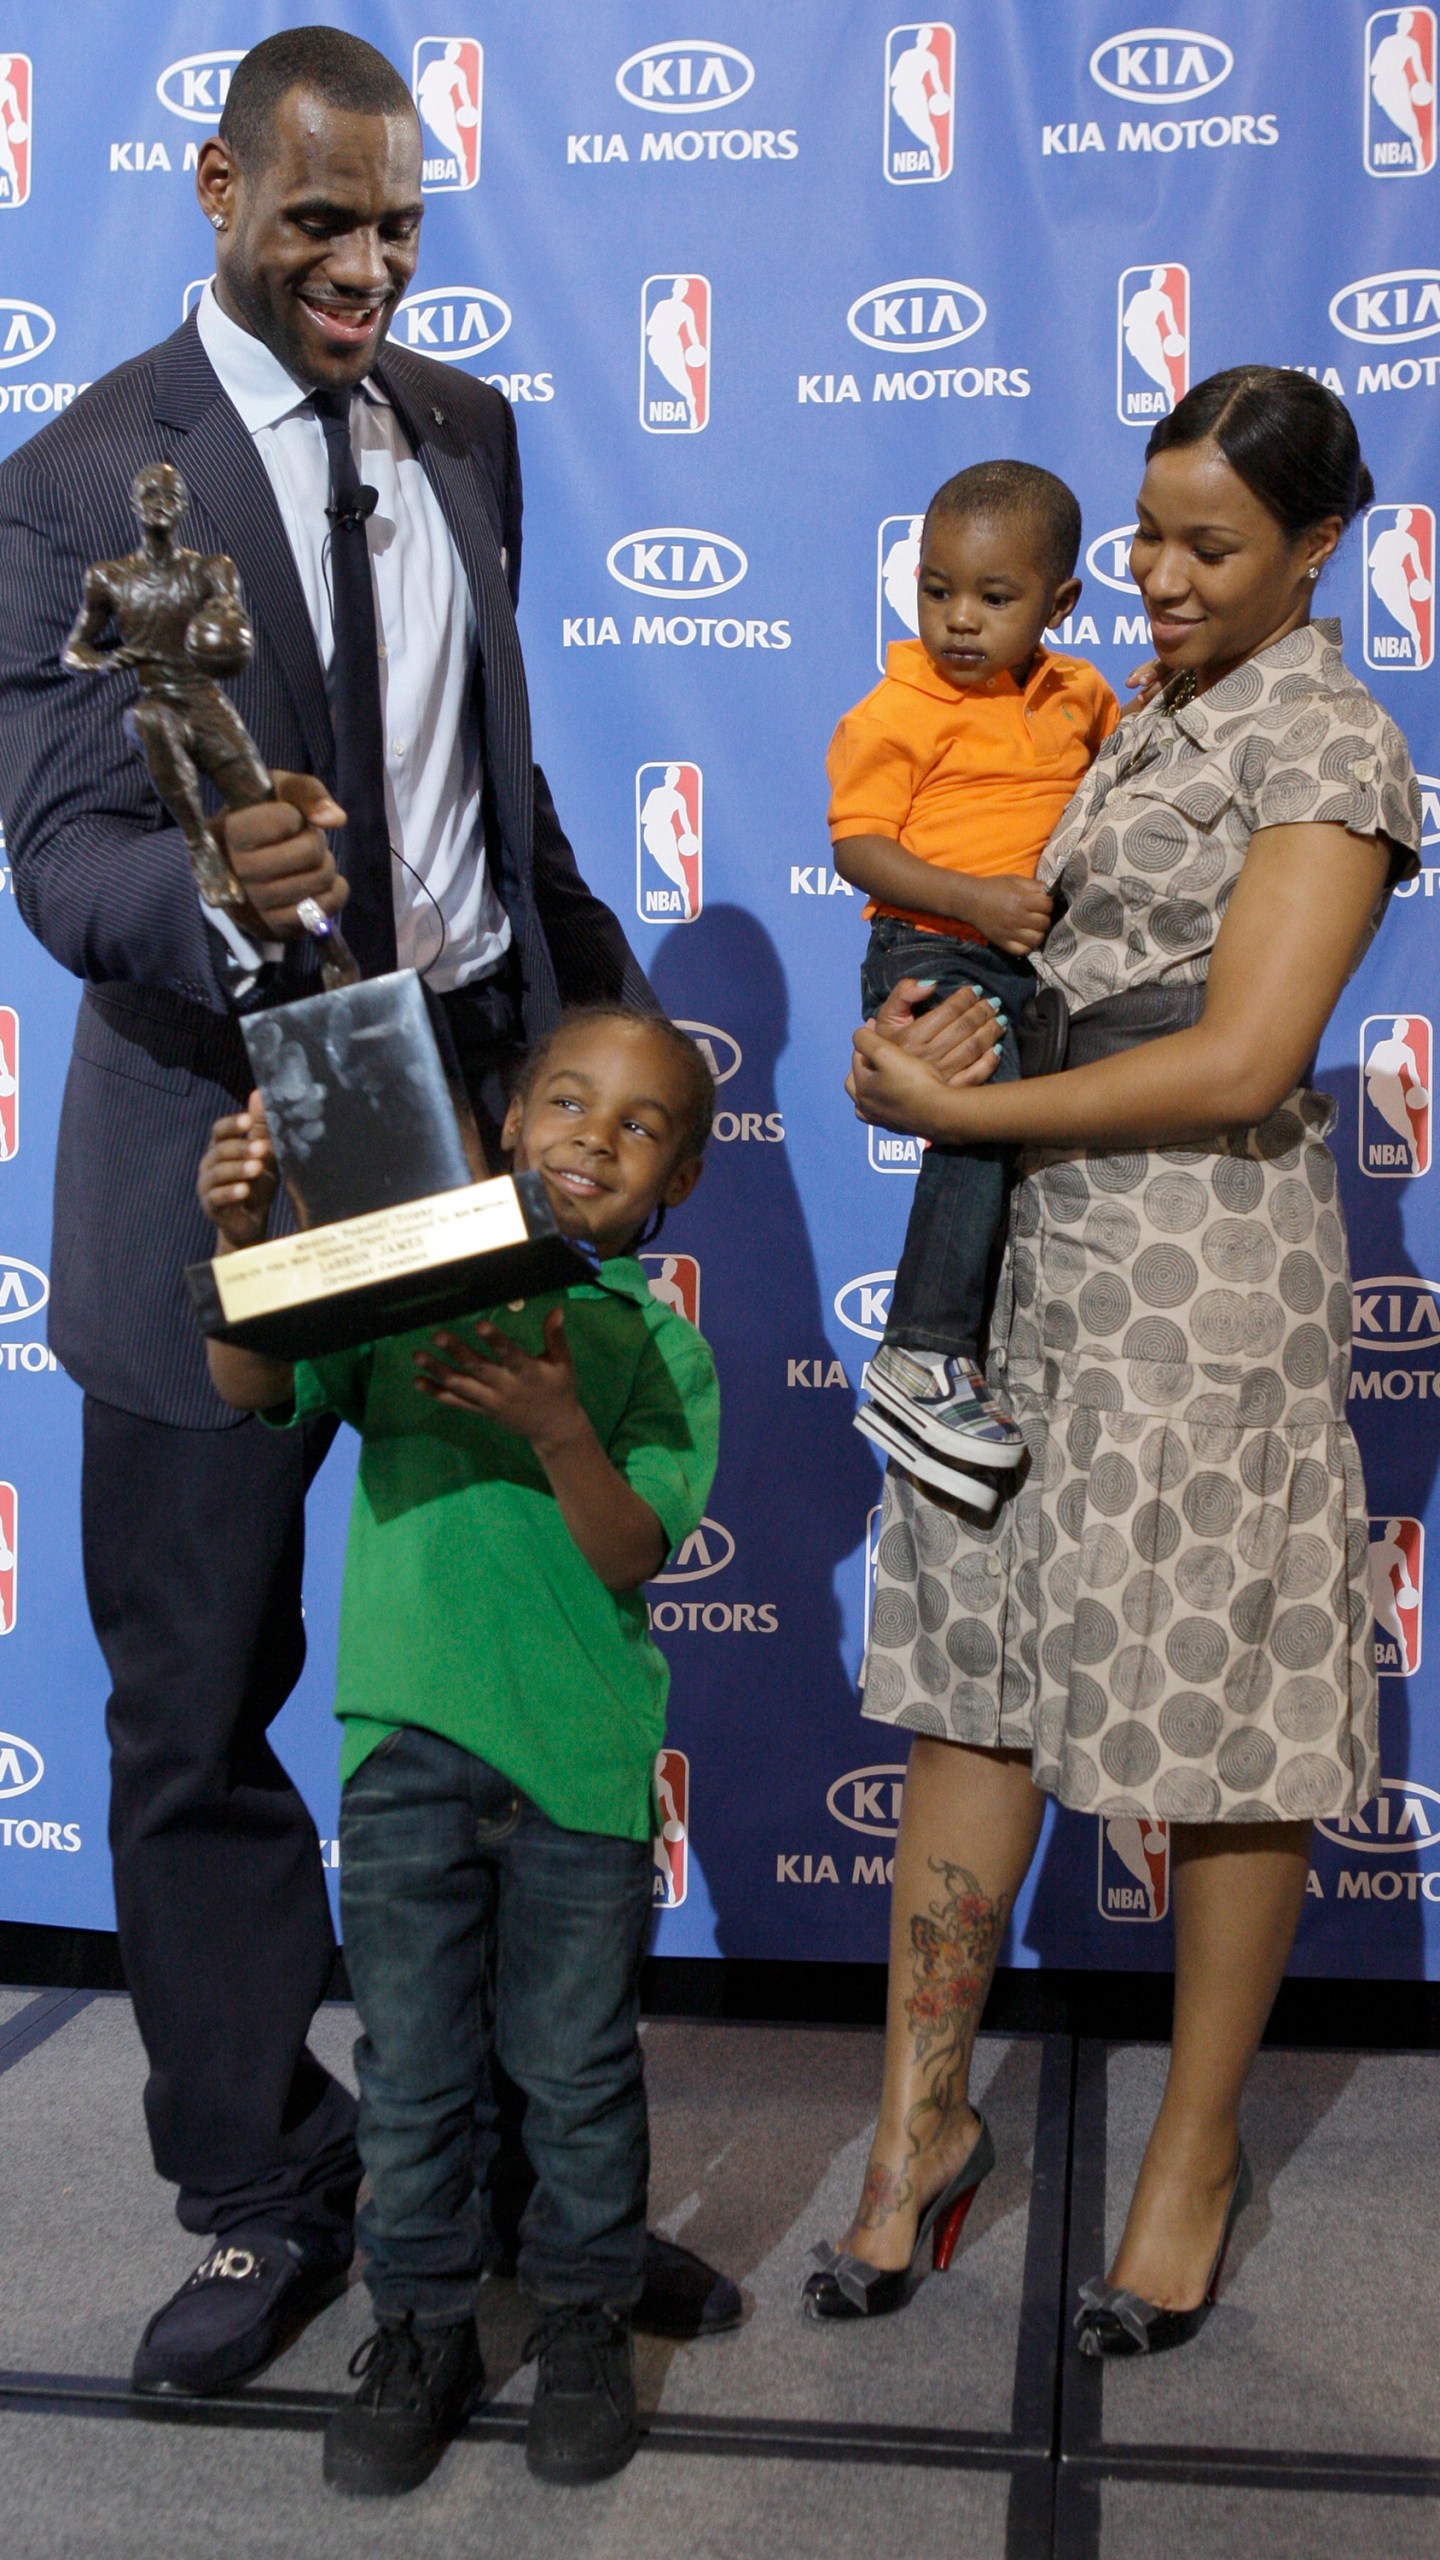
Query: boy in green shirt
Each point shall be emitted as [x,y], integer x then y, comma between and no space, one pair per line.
[503,1703]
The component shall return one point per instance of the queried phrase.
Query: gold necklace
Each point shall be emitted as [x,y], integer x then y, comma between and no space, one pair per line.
[1182,691]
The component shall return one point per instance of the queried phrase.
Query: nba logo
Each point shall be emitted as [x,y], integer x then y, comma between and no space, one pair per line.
[1134,1880]
[675,1280]
[669,827]
[448,88]
[1397,1581]
[9,1569]
[1400,93]
[1395,1056]
[672,1841]
[675,355]
[919,104]
[15,80]
[892,1154]
[1153,343]
[897,597]
[1400,588]
[9,1083]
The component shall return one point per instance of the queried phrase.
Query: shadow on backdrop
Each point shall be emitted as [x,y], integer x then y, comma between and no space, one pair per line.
[764,1697]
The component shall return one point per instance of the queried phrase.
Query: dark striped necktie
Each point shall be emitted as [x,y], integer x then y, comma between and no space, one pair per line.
[364,845]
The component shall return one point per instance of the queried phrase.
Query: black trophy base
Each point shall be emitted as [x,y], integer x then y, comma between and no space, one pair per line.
[421,1262]
[359,1106]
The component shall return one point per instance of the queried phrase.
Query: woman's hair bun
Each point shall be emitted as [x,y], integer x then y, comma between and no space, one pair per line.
[1289,439]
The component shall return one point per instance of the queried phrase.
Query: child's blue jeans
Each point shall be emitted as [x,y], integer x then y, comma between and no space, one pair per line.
[941,1297]
[474,1925]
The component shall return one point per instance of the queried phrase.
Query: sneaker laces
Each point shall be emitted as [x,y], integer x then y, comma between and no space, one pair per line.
[584,2328]
[378,2358]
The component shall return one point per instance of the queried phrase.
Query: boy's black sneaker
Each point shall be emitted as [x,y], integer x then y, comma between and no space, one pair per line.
[582,2422]
[417,2388]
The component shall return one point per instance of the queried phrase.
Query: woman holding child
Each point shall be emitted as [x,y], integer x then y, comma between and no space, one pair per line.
[1168,1615]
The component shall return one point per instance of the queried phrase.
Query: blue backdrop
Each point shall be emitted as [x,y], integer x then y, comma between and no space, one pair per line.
[753,297]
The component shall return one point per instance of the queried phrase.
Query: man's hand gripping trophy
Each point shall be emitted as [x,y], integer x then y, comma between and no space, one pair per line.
[182,623]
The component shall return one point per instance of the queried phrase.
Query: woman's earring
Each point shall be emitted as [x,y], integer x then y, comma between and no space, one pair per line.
[1315,572]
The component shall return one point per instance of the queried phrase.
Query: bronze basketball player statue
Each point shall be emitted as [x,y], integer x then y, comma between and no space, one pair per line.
[182,622]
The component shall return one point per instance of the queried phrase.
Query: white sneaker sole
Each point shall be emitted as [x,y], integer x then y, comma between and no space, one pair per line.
[973,1491]
[908,1411]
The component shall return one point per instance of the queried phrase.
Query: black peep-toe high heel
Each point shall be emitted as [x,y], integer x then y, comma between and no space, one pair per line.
[846,2288]
[1112,2322]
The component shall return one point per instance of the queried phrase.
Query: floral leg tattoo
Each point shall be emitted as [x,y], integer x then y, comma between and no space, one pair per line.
[953,1947]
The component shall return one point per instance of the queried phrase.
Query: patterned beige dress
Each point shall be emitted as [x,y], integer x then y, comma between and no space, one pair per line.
[1172,1612]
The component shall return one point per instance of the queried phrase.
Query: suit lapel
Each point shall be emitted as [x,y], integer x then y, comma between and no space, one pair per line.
[226,477]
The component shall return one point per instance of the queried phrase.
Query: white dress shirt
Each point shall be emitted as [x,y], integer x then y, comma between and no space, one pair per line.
[449,922]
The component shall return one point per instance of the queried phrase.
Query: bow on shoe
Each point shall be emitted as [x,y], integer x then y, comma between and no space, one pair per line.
[1131,2310]
[855,2278]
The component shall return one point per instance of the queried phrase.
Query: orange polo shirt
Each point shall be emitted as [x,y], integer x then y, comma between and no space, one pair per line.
[970,780]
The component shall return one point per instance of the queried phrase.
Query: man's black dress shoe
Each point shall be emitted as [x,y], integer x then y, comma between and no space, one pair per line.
[246,2301]
[417,2388]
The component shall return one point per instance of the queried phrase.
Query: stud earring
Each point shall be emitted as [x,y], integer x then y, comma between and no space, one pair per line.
[1315,572]
[218,219]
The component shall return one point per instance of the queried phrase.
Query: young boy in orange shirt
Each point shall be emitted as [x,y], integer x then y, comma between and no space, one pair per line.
[945,783]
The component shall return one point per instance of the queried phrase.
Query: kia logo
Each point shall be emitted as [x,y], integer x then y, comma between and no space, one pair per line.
[25,332]
[1399,1313]
[1161,66]
[198,87]
[707,1550]
[1403,1820]
[676,560]
[688,78]
[869,1800]
[723,1056]
[1108,559]
[863,1305]
[21,1766]
[451,321]
[23,1289]
[1390,310]
[916,316]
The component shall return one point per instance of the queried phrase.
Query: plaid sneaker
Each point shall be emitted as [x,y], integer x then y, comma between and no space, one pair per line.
[977,1492]
[944,1401]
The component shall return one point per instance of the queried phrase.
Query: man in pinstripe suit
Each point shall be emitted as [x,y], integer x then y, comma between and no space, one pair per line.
[193,1521]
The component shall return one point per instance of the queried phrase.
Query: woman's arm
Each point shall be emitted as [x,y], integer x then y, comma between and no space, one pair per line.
[1288,942]
[1010,911]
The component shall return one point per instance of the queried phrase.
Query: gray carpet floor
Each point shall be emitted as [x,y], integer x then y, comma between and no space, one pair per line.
[1324,2339]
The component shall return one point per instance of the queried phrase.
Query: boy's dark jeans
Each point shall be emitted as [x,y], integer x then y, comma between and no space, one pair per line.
[451,1881]
[940,1301]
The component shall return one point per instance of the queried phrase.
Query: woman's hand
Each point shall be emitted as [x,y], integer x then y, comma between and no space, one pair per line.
[897,1090]
[238,1177]
[959,1038]
[536,1397]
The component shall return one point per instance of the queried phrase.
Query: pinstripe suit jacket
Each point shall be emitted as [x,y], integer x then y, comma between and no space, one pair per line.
[101,874]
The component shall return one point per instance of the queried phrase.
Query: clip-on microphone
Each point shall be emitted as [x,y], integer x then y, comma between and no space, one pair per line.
[364,504]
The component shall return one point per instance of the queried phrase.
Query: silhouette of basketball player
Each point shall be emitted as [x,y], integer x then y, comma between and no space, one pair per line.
[1397,575]
[1152,332]
[442,95]
[675,346]
[1391,1586]
[898,573]
[918,94]
[1131,1836]
[7,1566]
[672,1831]
[667,833]
[1394,1087]
[1397,80]
[7,1091]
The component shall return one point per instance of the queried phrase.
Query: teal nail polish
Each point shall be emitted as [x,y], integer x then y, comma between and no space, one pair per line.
[927,986]
[992,1001]
[1002,1021]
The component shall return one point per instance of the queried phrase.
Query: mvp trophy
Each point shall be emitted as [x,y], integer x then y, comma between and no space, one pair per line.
[378,1148]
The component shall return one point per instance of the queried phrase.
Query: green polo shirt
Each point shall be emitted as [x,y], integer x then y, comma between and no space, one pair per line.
[467,1606]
